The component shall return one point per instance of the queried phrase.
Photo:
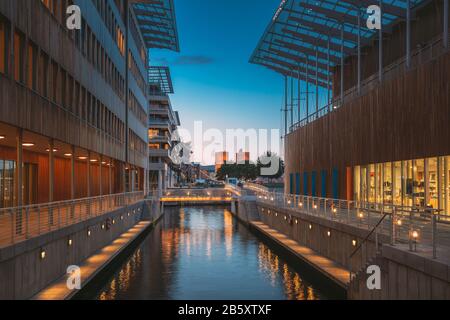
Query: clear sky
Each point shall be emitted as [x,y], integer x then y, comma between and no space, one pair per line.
[213,80]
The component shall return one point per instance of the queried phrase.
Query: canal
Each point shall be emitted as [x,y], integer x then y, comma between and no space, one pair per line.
[203,253]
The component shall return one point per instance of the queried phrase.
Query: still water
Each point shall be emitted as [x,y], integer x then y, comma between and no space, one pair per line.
[204,253]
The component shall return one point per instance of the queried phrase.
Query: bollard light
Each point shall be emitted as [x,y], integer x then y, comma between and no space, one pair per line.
[42,254]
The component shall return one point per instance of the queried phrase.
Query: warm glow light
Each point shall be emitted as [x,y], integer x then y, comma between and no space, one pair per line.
[103,226]
[310,227]
[94,160]
[361,215]
[415,234]
[67,154]
[334,210]
[121,217]
[354,243]
[2,137]
[399,222]
[42,254]
[300,204]
[89,233]
[54,150]
[296,221]
[114,221]
[82,158]
[315,206]
[70,242]
[329,233]
[28,144]
[103,162]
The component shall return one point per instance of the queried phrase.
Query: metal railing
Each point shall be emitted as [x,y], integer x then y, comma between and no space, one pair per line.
[22,223]
[198,195]
[432,50]
[417,227]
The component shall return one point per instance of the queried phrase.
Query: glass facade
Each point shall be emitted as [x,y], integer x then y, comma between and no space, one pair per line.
[418,182]
[7,171]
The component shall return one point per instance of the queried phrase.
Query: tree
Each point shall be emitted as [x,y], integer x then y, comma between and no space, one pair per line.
[248,171]
[266,161]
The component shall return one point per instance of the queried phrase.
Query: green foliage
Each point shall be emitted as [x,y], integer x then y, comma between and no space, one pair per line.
[247,171]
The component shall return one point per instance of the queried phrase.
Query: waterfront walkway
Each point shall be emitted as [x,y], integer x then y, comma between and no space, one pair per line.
[327,267]
[93,265]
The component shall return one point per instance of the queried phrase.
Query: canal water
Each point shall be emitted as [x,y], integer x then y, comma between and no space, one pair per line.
[204,253]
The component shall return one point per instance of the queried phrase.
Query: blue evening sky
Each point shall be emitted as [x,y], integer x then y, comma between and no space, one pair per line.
[213,80]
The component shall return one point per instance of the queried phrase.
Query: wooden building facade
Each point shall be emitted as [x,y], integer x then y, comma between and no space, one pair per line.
[390,142]
[73,103]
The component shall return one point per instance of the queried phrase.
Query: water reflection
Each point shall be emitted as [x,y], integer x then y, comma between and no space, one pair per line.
[204,253]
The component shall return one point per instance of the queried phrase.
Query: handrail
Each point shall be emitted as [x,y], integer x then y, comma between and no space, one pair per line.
[368,236]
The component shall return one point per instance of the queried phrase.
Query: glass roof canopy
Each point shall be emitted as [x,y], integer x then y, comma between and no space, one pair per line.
[302,30]
[160,76]
[158,24]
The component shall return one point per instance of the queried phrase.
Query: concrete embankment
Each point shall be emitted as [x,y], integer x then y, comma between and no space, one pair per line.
[37,264]
[327,246]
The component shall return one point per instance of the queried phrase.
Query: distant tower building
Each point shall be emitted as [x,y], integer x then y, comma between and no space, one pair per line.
[221,159]
[242,157]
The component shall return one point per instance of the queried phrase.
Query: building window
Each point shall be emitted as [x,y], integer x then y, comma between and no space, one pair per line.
[297,183]
[31,66]
[7,171]
[335,184]
[18,56]
[4,48]
[314,184]
[154,146]
[305,183]
[323,184]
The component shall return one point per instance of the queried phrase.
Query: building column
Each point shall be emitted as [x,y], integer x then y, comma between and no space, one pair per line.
[328,73]
[317,82]
[446,24]
[359,51]
[19,167]
[380,44]
[342,64]
[72,173]
[307,88]
[51,176]
[100,176]
[110,176]
[299,96]
[88,174]
[408,34]
[19,179]
[285,105]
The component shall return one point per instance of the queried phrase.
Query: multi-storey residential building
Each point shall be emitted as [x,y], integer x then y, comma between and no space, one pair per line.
[221,159]
[382,135]
[73,120]
[163,121]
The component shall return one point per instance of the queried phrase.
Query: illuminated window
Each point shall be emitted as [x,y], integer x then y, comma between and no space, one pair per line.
[31,67]
[3,47]
[154,146]
[152,133]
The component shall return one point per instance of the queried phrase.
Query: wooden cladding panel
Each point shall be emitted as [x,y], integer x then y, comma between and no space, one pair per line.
[403,119]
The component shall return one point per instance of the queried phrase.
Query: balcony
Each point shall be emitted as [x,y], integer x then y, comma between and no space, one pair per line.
[159,153]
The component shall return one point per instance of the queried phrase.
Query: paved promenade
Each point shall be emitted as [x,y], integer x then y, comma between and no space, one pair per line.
[327,267]
[93,265]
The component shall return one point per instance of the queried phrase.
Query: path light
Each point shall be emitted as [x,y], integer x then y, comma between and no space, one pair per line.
[315,207]
[296,221]
[89,233]
[361,215]
[128,214]
[300,204]
[70,242]
[415,235]
[121,217]
[103,226]
[354,243]
[113,221]
[310,227]
[399,222]
[276,214]
[329,234]
[289,202]
[285,218]
[334,210]
[42,254]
